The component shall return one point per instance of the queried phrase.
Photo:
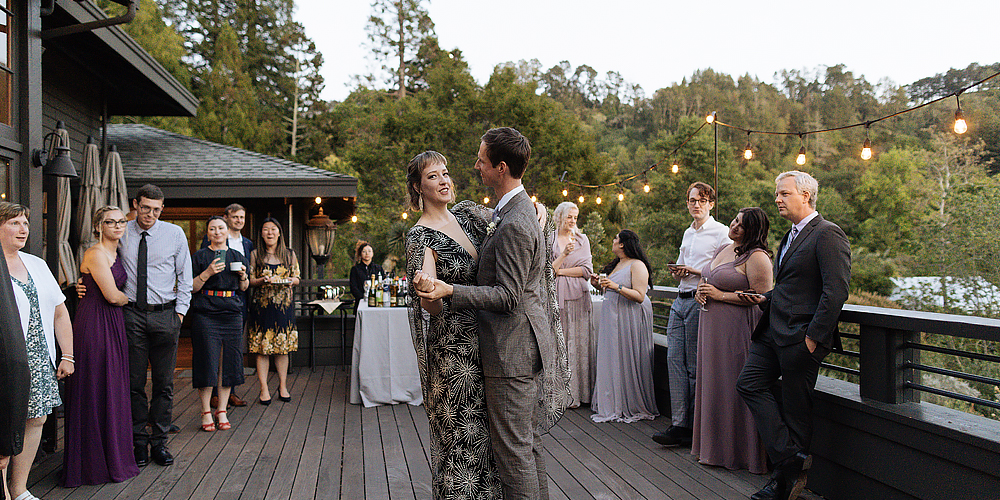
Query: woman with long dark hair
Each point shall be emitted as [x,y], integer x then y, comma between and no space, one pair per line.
[724,431]
[274,270]
[623,391]
[363,270]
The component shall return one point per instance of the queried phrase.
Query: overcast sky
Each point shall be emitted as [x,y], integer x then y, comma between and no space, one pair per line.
[658,42]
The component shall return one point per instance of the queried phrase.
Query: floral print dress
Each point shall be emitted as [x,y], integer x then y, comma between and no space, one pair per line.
[271,317]
[44,393]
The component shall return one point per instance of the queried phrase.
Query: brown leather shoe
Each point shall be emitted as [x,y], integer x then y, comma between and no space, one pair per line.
[214,403]
[235,400]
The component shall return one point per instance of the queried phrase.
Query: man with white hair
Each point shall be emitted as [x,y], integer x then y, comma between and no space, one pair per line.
[798,329]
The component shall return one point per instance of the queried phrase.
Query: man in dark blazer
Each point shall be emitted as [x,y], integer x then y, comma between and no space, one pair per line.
[514,332]
[799,327]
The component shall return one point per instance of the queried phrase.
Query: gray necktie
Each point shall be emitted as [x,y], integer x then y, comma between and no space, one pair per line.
[791,238]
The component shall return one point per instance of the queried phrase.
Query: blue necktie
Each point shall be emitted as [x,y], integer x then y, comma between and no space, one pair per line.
[791,238]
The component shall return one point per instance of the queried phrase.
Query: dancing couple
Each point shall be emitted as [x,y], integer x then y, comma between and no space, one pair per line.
[489,346]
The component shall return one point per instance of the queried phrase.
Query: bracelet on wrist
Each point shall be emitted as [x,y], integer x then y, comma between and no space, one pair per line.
[64,358]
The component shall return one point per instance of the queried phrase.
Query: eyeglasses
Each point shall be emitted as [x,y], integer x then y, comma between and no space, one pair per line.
[698,201]
[116,223]
[143,209]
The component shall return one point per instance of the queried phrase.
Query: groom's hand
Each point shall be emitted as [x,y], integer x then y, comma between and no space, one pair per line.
[440,291]
[423,282]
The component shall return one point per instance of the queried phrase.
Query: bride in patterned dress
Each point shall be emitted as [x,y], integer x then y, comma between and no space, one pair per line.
[447,340]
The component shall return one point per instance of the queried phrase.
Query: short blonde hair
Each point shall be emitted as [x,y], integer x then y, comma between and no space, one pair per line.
[10,210]
[561,210]
[99,217]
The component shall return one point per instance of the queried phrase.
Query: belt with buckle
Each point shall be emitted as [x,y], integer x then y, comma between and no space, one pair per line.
[219,293]
[153,307]
[685,295]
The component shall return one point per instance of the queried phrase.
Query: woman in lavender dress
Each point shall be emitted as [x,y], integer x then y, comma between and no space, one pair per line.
[724,430]
[98,409]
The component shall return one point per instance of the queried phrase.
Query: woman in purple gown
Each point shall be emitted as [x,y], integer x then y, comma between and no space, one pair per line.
[724,430]
[98,411]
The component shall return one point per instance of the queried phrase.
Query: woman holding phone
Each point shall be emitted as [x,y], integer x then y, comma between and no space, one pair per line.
[724,431]
[217,321]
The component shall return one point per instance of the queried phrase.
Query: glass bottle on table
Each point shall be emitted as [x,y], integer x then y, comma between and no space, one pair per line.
[372,301]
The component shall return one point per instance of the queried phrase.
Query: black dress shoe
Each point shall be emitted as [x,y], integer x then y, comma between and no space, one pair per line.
[173,429]
[773,490]
[286,399]
[161,455]
[674,436]
[141,455]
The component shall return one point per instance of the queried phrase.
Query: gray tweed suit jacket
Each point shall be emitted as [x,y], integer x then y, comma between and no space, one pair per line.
[509,298]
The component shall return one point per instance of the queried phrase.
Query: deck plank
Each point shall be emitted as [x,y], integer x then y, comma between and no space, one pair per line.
[320,446]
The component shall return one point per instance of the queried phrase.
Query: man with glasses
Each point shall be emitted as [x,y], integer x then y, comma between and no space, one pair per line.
[698,247]
[158,286]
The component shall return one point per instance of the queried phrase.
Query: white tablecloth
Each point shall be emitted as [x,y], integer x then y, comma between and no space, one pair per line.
[384,364]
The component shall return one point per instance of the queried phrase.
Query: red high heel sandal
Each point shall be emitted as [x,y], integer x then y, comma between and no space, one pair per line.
[223,426]
[207,427]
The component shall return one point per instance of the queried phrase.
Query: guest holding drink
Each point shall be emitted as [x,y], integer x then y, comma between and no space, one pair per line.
[274,271]
[98,425]
[45,322]
[724,431]
[362,271]
[217,321]
[573,265]
[623,391]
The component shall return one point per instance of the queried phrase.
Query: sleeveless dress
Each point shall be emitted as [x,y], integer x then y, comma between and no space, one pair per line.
[623,391]
[98,409]
[271,320]
[724,430]
[451,375]
[44,393]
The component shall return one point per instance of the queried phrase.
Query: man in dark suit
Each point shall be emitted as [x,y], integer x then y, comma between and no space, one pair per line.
[515,338]
[797,330]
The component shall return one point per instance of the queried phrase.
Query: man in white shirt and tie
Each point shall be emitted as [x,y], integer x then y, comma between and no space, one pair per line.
[701,240]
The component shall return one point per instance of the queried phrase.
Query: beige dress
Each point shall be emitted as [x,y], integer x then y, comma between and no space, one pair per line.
[575,311]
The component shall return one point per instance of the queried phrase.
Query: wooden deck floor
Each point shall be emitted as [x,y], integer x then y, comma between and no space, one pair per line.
[320,446]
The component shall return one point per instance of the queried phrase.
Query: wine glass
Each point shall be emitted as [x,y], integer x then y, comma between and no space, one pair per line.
[703,306]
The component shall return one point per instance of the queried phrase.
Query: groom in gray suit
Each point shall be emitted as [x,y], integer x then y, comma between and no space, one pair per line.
[798,329]
[514,333]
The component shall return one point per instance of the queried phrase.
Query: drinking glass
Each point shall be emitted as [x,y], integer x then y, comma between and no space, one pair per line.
[703,306]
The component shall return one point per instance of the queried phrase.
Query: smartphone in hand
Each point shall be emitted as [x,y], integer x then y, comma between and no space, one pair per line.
[221,255]
[751,295]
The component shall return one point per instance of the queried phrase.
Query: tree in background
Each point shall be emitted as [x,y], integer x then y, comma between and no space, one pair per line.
[397,29]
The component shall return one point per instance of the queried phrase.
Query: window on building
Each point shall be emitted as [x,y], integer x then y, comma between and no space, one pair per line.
[6,75]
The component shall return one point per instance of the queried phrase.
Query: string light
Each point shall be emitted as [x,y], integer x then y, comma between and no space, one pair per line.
[486,200]
[960,126]
[801,159]
[565,193]
[866,149]
[405,215]
[319,201]
[645,183]
[598,200]
[710,118]
[675,168]
[747,152]
[534,199]
[621,194]
[581,198]
[354,218]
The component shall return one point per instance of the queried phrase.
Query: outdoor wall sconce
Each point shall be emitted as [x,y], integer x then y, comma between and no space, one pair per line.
[320,231]
[60,166]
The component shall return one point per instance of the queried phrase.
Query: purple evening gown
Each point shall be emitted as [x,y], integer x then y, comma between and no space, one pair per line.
[98,409]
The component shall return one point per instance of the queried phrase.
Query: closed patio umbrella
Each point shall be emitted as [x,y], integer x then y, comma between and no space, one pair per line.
[68,271]
[92,196]
[114,180]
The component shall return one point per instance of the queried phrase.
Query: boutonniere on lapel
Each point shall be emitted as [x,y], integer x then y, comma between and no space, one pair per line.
[492,226]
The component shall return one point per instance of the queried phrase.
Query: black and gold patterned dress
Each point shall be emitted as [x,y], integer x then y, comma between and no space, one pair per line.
[271,317]
[451,374]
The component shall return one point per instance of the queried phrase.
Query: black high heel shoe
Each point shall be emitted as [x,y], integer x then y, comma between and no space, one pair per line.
[264,402]
[285,399]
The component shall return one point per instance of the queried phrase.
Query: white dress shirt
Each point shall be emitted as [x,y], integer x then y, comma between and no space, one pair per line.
[168,261]
[698,248]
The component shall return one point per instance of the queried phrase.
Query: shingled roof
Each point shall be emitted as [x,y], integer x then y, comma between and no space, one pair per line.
[185,167]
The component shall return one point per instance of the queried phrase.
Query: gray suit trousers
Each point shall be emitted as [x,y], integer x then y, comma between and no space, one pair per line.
[517,446]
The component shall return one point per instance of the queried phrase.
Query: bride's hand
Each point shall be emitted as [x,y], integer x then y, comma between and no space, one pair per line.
[422,282]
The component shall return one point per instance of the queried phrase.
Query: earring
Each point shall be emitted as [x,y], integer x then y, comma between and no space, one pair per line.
[420,203]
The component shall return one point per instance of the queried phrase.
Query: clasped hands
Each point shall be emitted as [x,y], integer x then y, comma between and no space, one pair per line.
[430,288]
[603,282]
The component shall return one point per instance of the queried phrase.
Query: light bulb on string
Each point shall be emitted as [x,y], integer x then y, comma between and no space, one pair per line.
[598,199]
[354,218]
[534,199]
[960,126]
[621,196]
[747,152]
[801,158]
[866,149]
[565,193]
[675,168]
[710,118]
[581,199]
[405,215]
[486,200]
